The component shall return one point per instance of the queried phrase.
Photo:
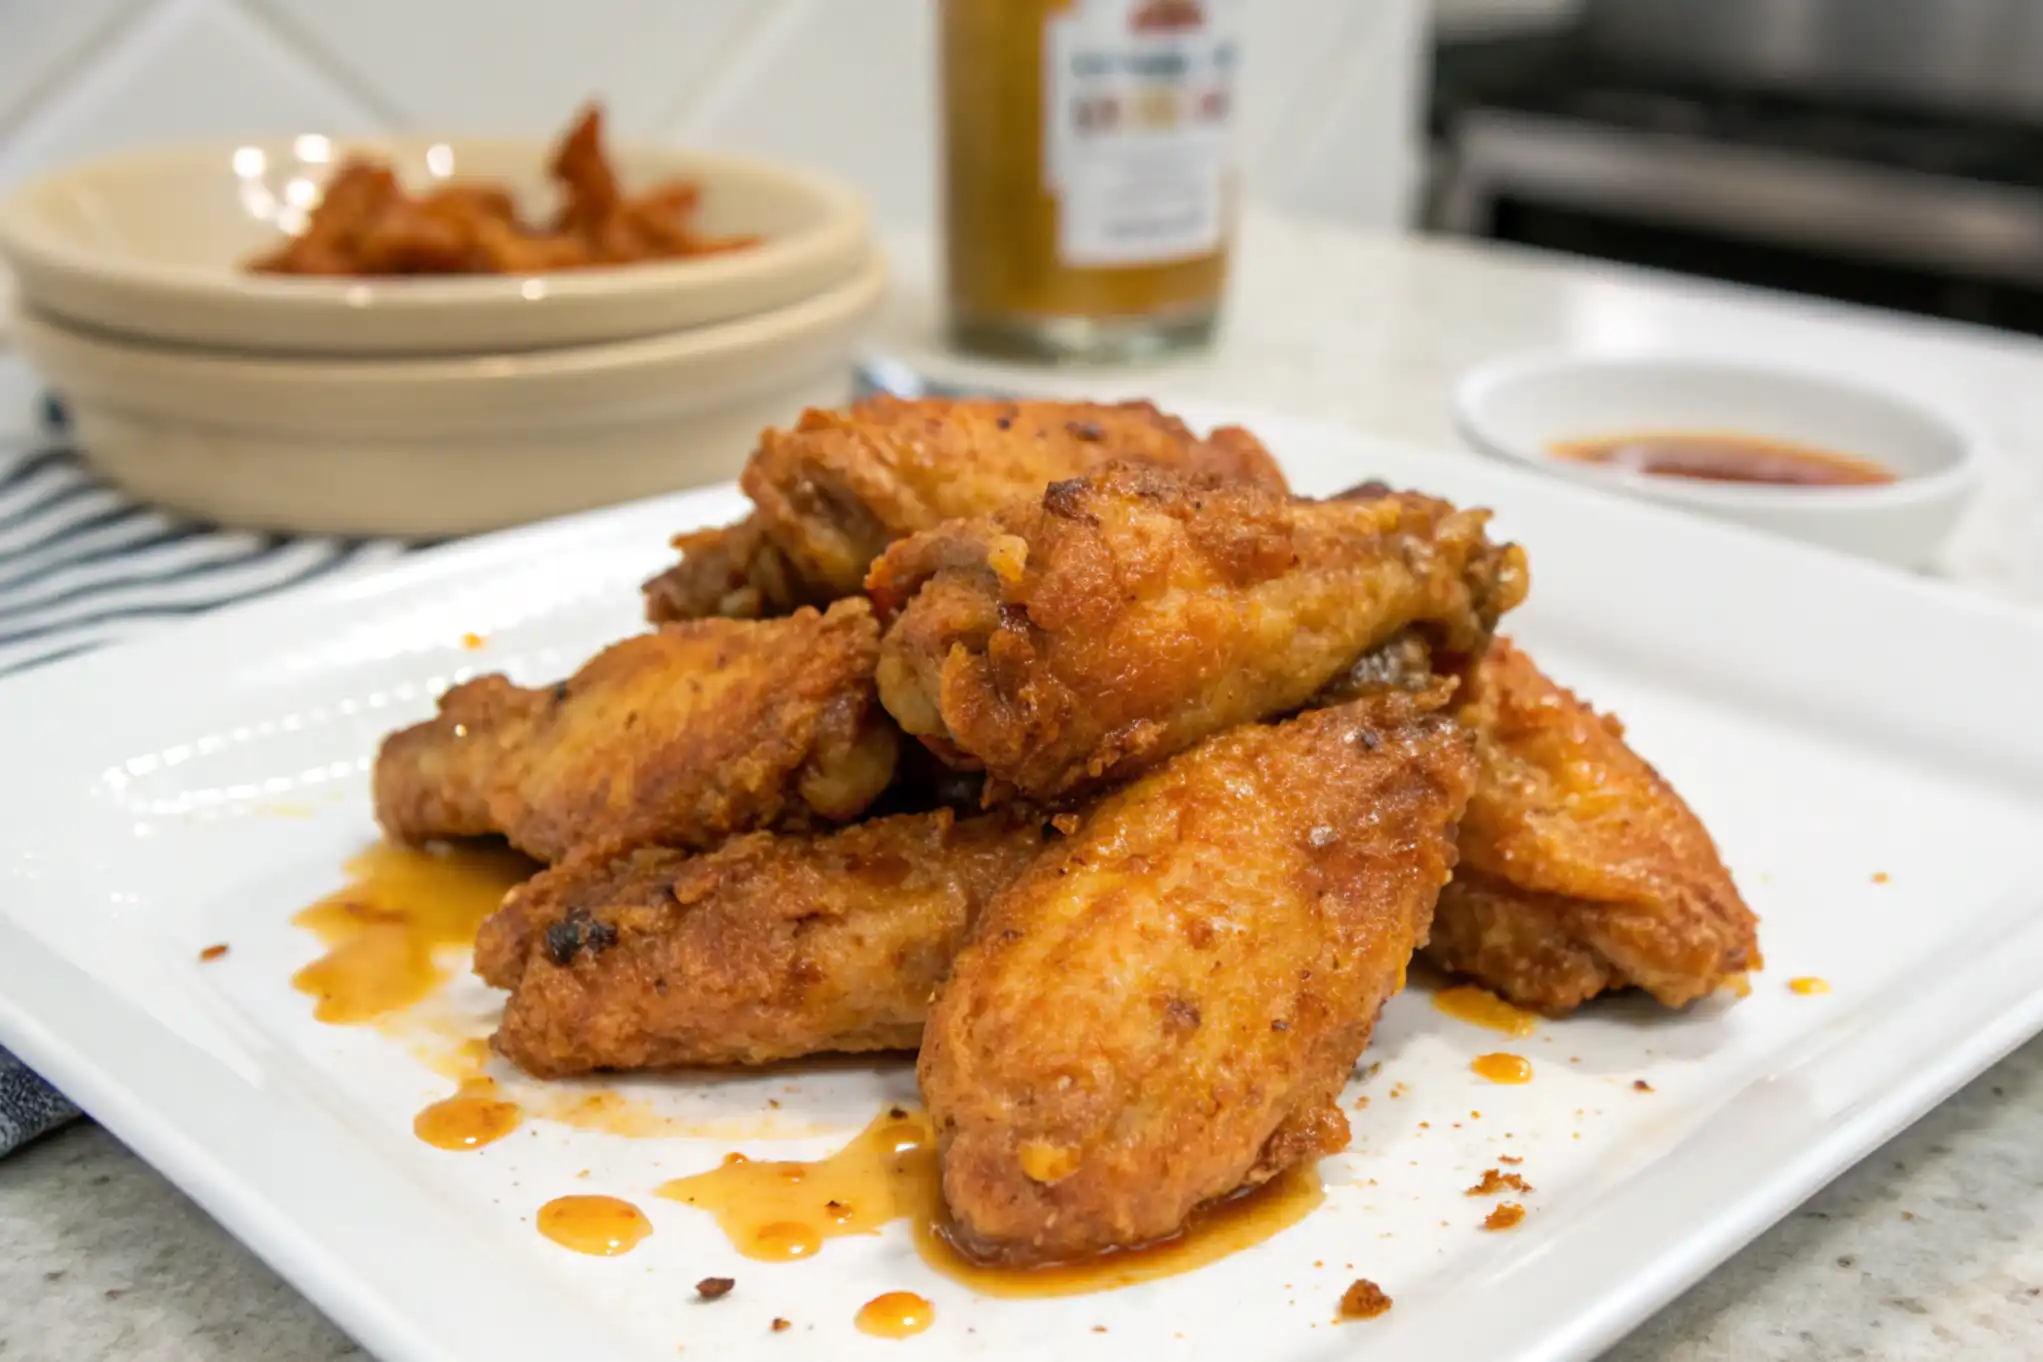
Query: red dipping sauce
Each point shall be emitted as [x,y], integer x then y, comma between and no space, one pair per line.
[1723,456]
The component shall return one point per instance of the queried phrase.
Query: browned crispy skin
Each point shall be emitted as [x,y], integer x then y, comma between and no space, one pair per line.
[1074,639]
[732,571]
[1582,869]
[837,489]
[1163,1008]
[681,737]
[769,947]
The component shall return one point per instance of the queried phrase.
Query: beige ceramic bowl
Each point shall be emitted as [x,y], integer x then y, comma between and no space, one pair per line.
[441,446]
[151,245]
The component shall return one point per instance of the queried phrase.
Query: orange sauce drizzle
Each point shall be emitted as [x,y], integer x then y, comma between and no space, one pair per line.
[1503,1067]
[385,931]
[897,1314]
[1480,1007]
[1809,984]
[1213,1232]
[604,1226]
[474,1116]
[779,1210]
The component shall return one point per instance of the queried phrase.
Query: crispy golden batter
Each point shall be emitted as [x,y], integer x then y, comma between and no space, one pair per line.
[1163,1008]
[1582,869]
[1074,639]
[681,737]
[769,947]
[842,485]
[733,571]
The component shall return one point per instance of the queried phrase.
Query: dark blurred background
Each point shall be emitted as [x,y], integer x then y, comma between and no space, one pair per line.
[1877,151]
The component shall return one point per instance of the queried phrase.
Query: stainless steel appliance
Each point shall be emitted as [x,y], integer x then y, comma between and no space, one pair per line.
[1790,143]
[1978,56]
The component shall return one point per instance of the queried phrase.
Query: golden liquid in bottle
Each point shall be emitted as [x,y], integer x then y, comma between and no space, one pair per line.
[1014,287]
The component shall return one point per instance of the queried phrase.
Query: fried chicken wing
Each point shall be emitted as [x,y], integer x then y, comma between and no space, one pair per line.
[681,737]
[837,489]
[1074,639]
[733,571]
[769,947]
[1163,1008]
[1582,869]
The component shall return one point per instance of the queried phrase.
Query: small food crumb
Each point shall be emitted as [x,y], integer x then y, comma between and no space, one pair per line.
[1398,1090]
[471,641]
[1099,1328]
[1641,1085]
[1908,1215]
[1880,877]
[213,952]
[715,1288]
[1495,1181]
[1504,1216]
[1363,1300]
[1509,1158]
[781,1326]
[1808,984]
[584,1173]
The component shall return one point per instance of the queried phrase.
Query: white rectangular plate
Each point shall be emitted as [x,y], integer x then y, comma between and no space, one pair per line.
[1830,720]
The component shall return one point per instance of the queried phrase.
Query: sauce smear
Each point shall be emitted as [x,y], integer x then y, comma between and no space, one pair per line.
[604,1226]
[1213,1233]
[1503,1067]
[473,1117]
[776,1211]
[1480,1007]
[384,931]
[1724,456]
[897,1314]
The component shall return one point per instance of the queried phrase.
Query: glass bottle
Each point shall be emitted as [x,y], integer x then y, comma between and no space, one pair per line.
[1089,187]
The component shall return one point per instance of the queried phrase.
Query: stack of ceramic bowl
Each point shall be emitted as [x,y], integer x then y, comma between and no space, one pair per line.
[422,406]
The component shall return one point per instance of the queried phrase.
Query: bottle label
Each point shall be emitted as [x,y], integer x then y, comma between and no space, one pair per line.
[1138,100]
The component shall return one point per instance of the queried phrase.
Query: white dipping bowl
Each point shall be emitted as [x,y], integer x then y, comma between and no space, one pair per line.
[1520,408]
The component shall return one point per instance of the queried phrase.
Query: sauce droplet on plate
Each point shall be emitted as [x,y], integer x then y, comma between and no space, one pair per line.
[1723,456]
[1502,1067]
[897,1314]
[888,1172]
[1480,1007]
[1809,984]
[402,905]
[473,1117]
[604,1226]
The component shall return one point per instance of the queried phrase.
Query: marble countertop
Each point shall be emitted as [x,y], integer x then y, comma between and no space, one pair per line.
[1931,1248]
